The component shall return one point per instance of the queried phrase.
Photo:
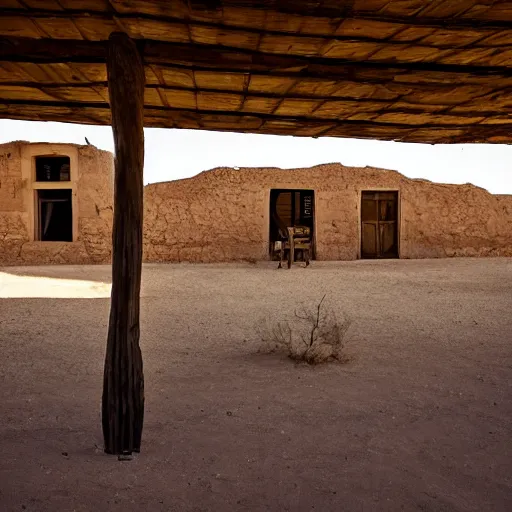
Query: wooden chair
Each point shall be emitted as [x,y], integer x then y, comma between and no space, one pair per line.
[298,238]
[291,239]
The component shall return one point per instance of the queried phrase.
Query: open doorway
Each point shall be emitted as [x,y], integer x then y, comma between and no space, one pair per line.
[379,224]
[291,208]
[54,215]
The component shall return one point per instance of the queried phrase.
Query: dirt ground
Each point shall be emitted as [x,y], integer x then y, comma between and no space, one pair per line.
[419,419]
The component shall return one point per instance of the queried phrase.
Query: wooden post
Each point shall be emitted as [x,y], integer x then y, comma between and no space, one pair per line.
[123,381]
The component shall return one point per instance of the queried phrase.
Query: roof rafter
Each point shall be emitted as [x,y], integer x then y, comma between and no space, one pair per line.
[330,14]
[22,49]
[389,69]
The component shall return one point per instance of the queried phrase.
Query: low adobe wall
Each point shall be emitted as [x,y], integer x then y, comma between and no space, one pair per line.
[92,194]
[223,215]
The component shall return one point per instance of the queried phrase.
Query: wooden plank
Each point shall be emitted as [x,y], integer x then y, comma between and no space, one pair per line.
[123,386]
[295,106]
[271,84]
[369,28]
[96,94]
[262,123]
[222,81]
[18,26]
[204,57]
[9,92]
[218,101]
[420,59]
[57,28]
[176,77]
[319,18]
[258,105]
[180,99]
[25,49]
[352,39]
[405,112]
[422,91]
[400,113]
[13,4]
[158,30]
[343,109]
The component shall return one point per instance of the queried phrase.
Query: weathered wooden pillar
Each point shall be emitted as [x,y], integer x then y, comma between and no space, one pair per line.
[123,381]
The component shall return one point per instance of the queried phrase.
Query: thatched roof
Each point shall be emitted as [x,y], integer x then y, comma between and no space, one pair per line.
[414,70]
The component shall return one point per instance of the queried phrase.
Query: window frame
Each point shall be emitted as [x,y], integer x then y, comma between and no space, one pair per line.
[28,168]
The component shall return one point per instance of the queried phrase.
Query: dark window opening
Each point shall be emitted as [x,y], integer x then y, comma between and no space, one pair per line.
[53,168]
[379,225]
[291,208]
[55,216]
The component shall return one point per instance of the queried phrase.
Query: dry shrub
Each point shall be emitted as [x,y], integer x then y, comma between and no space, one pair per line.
[313,335]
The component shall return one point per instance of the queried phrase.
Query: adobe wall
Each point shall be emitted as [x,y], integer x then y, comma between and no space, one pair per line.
[92,192]
[223,215]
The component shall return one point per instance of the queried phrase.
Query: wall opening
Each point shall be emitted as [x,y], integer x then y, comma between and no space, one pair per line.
[54,215]
[379,224]
[53,168]
[291,208]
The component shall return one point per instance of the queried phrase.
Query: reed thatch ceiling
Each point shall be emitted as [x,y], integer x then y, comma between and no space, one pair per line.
[432,71]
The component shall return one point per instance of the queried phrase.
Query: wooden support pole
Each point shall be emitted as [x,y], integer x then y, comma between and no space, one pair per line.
[123,381]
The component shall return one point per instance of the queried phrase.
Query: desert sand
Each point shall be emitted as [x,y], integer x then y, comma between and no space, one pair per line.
[420,418]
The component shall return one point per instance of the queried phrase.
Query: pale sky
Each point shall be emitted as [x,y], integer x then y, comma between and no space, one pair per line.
[175,154]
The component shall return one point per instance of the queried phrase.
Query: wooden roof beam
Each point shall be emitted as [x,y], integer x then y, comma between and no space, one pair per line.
[163,118]
[212,17]
[94,73]
[18,49]
[97,27]
[22,49]
[61,92]
[13,105]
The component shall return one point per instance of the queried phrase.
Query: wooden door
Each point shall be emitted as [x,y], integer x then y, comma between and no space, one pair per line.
[379,225]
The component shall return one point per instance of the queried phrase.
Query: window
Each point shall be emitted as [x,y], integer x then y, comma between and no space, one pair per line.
[54,215]
[52,168]
[51,174]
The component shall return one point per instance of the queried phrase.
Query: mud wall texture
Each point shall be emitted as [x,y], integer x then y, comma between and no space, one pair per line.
[223,215]
[91,184]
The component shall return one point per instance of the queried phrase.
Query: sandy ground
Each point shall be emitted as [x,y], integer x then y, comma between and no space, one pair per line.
[420,419]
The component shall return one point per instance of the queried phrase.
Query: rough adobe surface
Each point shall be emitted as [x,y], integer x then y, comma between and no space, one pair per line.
[13,231]
[222,215]
[93,202]
[419,420]
[95,191]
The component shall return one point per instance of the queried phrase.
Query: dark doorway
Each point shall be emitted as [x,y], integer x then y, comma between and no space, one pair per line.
[55,216]
[291,208]
[379,225]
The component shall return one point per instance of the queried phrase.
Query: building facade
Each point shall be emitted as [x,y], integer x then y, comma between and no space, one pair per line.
[56,207]
[55,204]
[227,215]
